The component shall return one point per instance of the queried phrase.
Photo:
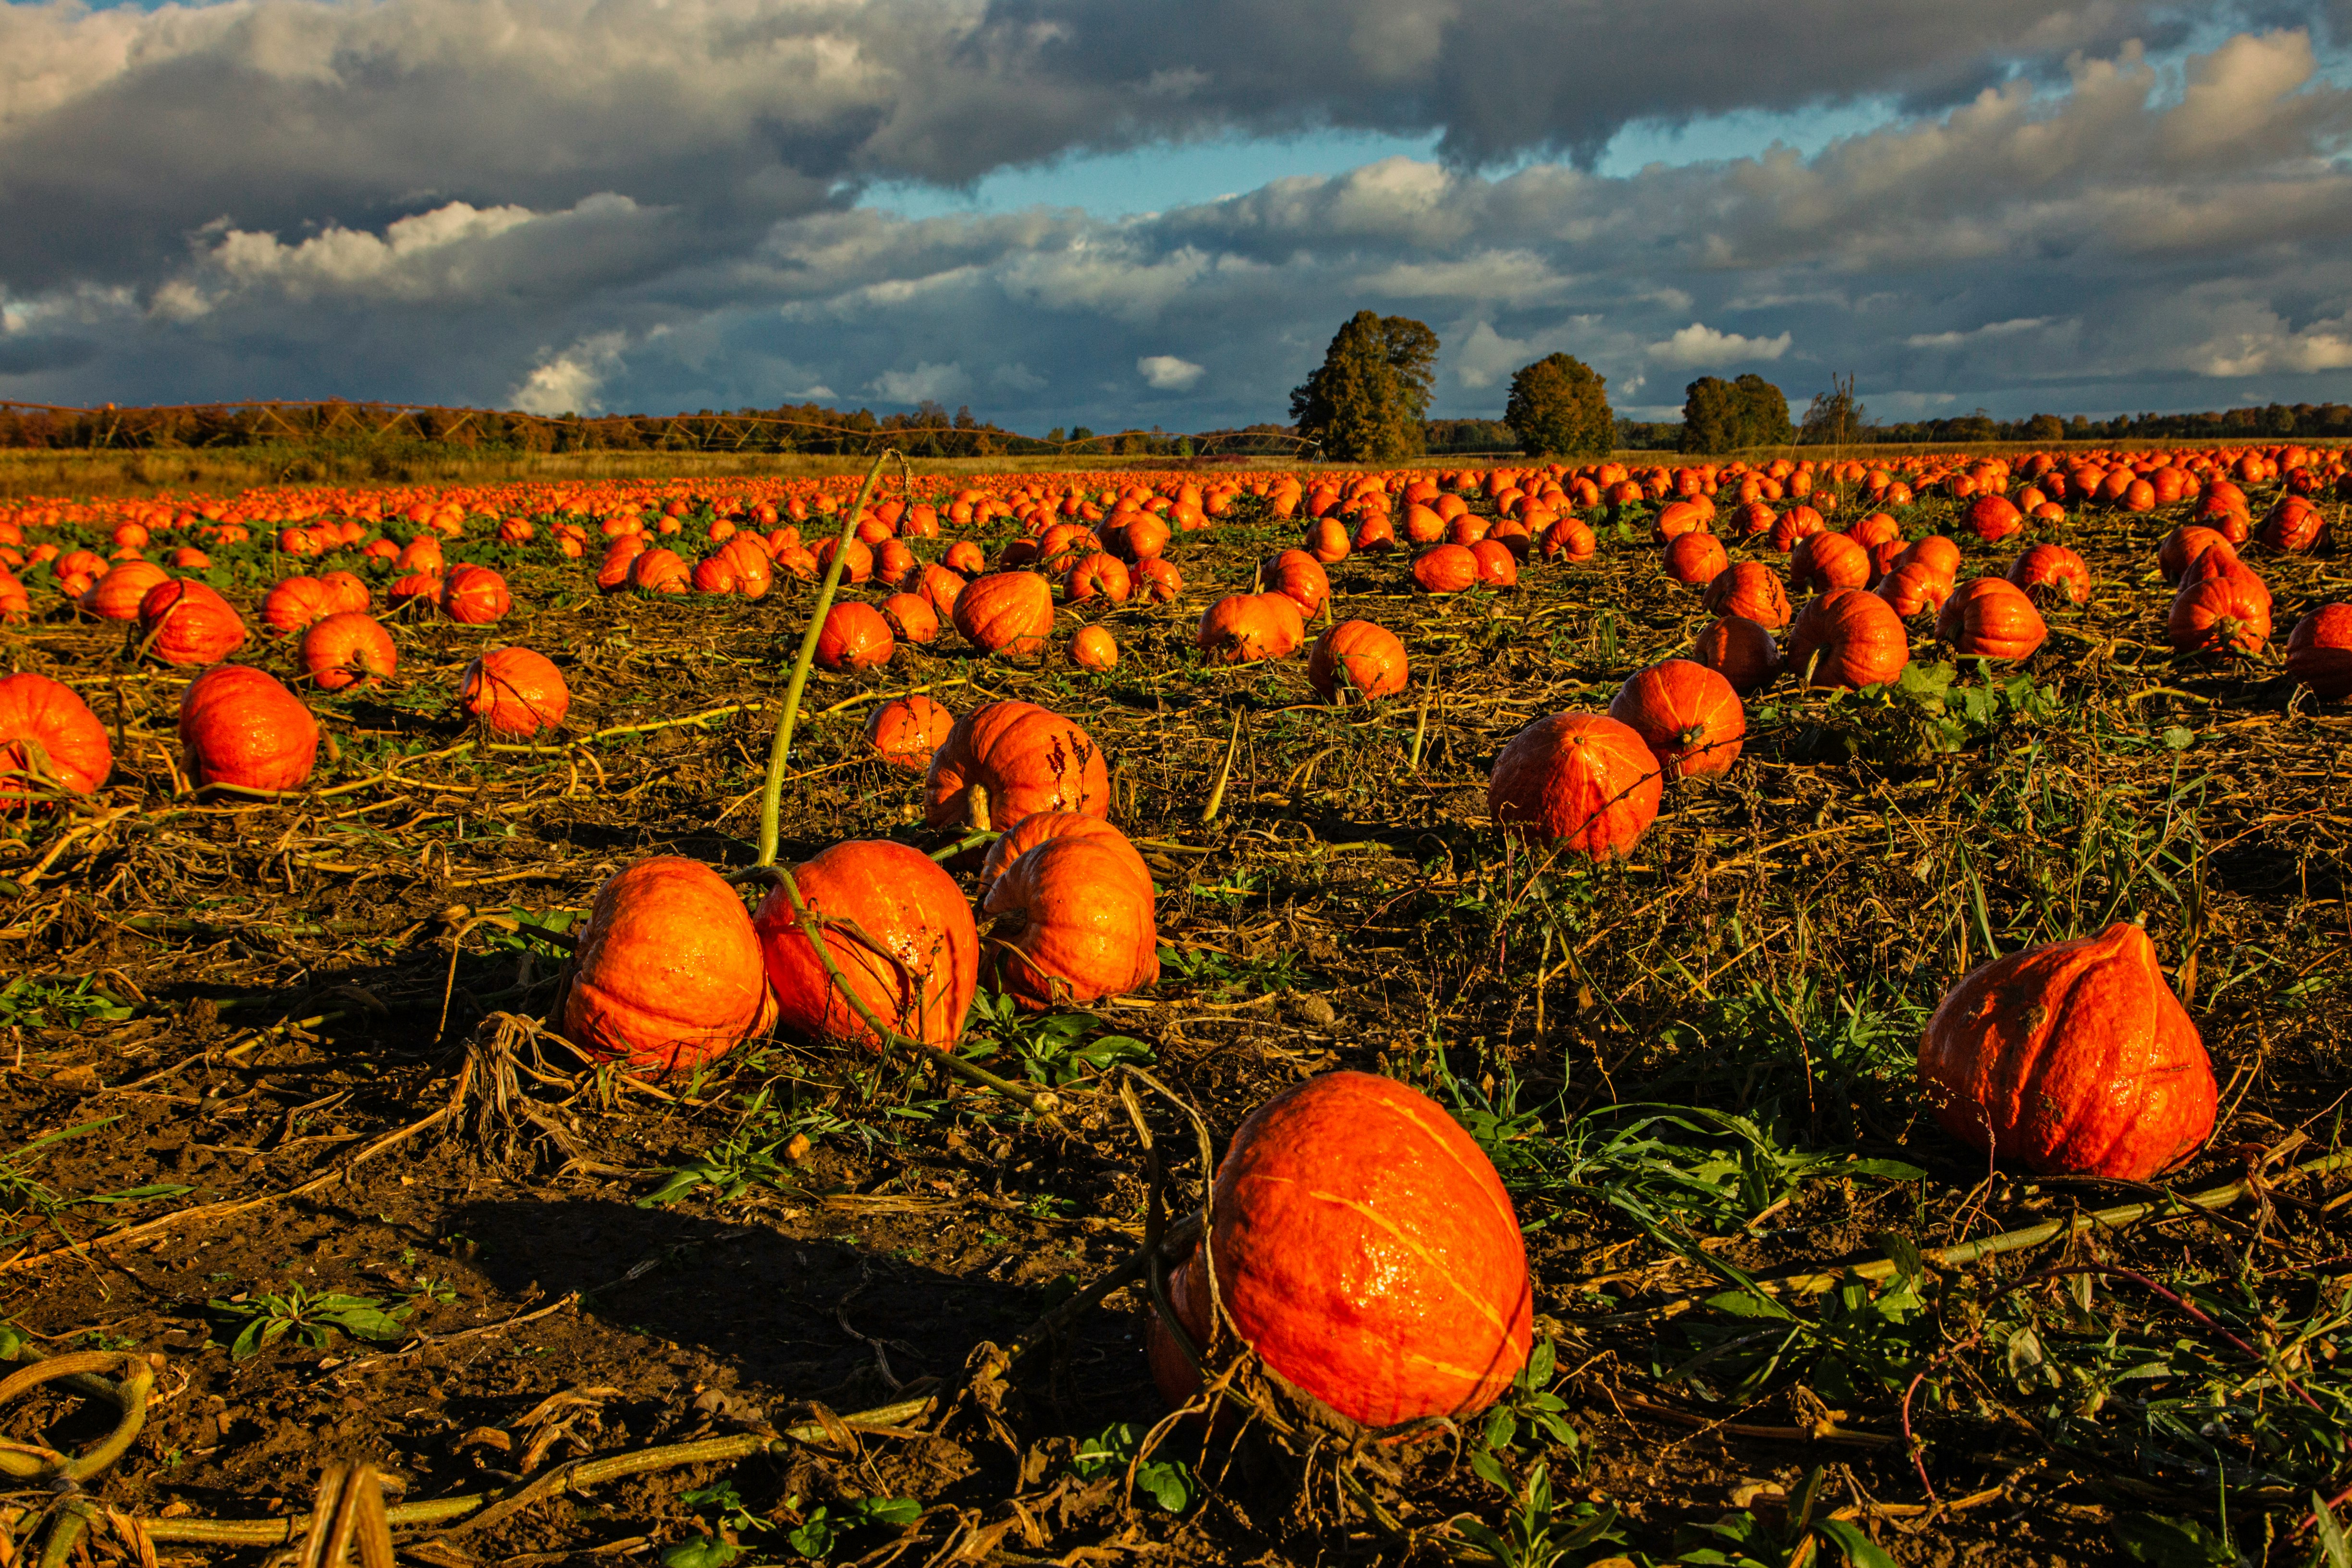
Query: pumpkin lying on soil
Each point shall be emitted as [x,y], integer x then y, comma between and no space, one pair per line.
[667,974]
[1583,781]
[921,981]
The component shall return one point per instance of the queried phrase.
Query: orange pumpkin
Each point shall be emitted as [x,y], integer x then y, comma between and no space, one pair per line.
[1298,577]
[1994,517]
[2183,546]
[1357,661]
[1696,558]
[1364,1248]
[348,650]
[1751,590]
[1741,651]
[15,605]
[1582,780]
[1035,829]
[294,603]
[964,559]
[48,738]
[1822,561]
[856,559]
[1990,617]
[116,595]
[1094,648]
[1097,575]
[1497,567]
[1161,580]
[2052,573]
[184,623]
[1568,539]
[2223,607]
[1023,758]
[1073,921]
[1848,637]
[1913,590]
[1688,715]
[1244,627]
[659,571]
[474,597]
[897,899]
[1009,612]
[516,693]
[907,732]
[2073,1057]
[668,974]
[238,726]
[1445,569]
[1136,535]
[2293,526]
[1936,552]
[2319,652]
[854,637]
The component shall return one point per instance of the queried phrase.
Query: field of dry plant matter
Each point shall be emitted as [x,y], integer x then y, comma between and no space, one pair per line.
[461,1102]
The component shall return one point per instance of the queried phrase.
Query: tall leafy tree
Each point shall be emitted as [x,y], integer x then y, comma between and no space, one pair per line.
[1366,401]
[1721,416]
[1559,406]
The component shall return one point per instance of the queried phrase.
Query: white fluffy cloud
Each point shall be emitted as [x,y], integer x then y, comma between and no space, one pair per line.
[1166,373]
[628,204]
[1700,346]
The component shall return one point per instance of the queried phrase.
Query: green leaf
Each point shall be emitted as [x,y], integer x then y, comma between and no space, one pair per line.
[896,1511]
[1170,1485]
[1860,1550]
[701,1552]
[2333,1548]
[2172,1542]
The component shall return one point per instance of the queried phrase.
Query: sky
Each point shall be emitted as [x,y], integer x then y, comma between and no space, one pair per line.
[1124,213]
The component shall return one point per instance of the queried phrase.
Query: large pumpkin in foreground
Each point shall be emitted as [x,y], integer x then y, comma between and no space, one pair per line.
[1023,758]
[2072,1059]
[667,974]
[1011,613]
[48,736]
[1366,1250]
[1581,780]
[921,984]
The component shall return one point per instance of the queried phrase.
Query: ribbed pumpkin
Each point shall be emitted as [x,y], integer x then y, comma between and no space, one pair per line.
[1990,617]
[15,605]
[898,897]
[1025,758]
[1741,651]
[1936,552]
[1913,590]
[668,974]
[2220,609]
[2319,652]
[2184,545]
[1848,637]
[1994,517]
[1073,921]
[856,559]
[294,604]
[963,558]
[2293,526]
[348,650]
[1160,580]
[1011,613]
[1749,589]
[1568,539]
[1244,627]
[1097,576]
[936,587]
[474,597]
[48,736]
[1583,781]
[1357,661]
[1445,569]
[907,730]
[185,623]
[1366,1251]
[1823,561]
[1035,829]
[1298,577]
[910,617]
[1092,647]
[1695,558]
[1497,567]
[238,726]
[116,595]
[2073,1057]
[2052,573]
[516,693]
[659,572]
[1689,716]
[853,636]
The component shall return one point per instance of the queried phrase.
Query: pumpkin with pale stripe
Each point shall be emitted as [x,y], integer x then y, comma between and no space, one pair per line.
[1366,1250]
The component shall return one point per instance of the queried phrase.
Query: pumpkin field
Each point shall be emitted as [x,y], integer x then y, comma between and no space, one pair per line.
[1784,1011]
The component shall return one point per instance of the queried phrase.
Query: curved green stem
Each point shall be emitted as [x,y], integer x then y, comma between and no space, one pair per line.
[772,797]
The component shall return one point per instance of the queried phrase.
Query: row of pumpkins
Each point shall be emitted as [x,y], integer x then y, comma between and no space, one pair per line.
[2073,1056]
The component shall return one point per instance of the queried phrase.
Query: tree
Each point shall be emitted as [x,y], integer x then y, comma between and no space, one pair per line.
[1366,401]
[1721,416]
[2044,428]
[1833,417]
[1557,406]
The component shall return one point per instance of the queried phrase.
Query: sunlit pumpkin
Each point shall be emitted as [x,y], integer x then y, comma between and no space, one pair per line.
[1584,782]
[1072,921]
[48,738]
[1357,661]
[1688,714]
[1022,758]
[668,974]
[517,694]
[240,727]
[919,984]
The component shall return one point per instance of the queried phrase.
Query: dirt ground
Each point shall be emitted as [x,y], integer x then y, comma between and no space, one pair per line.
[1695,1069]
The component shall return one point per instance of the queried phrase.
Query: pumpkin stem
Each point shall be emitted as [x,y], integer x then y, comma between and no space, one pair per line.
[975,807]
[772,795]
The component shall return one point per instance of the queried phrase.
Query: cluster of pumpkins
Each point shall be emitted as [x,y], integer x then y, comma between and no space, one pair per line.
[2074,1057]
